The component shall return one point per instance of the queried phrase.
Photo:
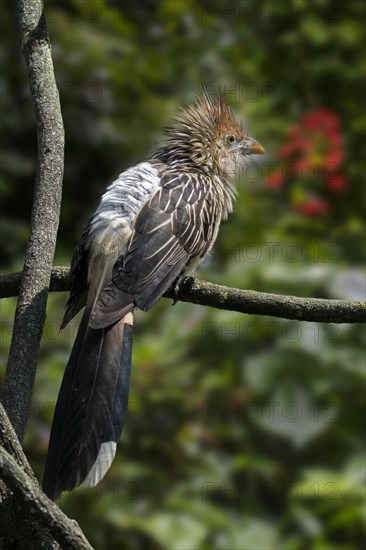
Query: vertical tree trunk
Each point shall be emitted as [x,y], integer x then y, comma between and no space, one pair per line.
[31,307]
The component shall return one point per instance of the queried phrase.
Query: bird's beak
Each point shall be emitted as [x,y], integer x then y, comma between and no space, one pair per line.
[251,147]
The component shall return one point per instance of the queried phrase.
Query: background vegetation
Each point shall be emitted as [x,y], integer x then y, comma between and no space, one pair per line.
[243,432]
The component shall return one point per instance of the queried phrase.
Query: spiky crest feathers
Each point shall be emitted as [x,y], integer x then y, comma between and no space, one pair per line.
[206,118]
[196,132]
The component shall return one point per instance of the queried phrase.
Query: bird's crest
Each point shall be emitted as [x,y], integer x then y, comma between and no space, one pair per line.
[208,118]
[197,130]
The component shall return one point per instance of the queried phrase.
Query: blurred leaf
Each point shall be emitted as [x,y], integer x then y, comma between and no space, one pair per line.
[249,533]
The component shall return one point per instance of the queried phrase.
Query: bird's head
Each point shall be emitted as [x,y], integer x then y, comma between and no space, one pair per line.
[208,136]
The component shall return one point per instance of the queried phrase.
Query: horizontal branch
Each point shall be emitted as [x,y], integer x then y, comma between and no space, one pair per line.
[10,283]
[232,299]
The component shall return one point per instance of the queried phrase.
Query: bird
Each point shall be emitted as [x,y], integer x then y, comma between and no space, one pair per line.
[154,225]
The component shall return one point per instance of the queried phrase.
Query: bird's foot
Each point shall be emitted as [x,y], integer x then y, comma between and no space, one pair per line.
[176,286]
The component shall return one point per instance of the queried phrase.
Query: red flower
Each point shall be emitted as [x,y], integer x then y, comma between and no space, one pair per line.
[299,166]
[286,150]
[313,144]
[335,139]
[321,120]
[312,207]
[333,160]
[299,145]
[335,182]
[275,180]
[294,132]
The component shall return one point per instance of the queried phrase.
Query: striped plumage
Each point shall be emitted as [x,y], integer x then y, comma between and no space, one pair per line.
[156,222]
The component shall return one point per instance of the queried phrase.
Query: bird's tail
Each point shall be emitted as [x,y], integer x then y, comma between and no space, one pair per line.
[91,407]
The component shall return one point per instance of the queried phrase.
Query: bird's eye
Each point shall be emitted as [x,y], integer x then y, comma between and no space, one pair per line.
[230,139]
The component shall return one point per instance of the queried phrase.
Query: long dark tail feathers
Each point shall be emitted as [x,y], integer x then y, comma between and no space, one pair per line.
[91,407]
[113,433]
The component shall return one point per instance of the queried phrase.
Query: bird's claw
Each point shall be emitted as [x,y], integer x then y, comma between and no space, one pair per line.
[176,286]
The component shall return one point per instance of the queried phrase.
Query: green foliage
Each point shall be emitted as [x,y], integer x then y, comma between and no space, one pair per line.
[243,432]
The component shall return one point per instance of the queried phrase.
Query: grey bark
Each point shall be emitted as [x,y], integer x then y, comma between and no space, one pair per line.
[262,303]
[232,299]
[31,307]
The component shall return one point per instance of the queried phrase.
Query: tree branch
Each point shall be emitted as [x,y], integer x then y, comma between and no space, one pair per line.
[34,511]
[232,299]
[276,305]
[30,312]
[10,442]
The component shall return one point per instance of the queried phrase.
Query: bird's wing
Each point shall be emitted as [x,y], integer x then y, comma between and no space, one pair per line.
[78,280]
[177,224]
[107,233]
